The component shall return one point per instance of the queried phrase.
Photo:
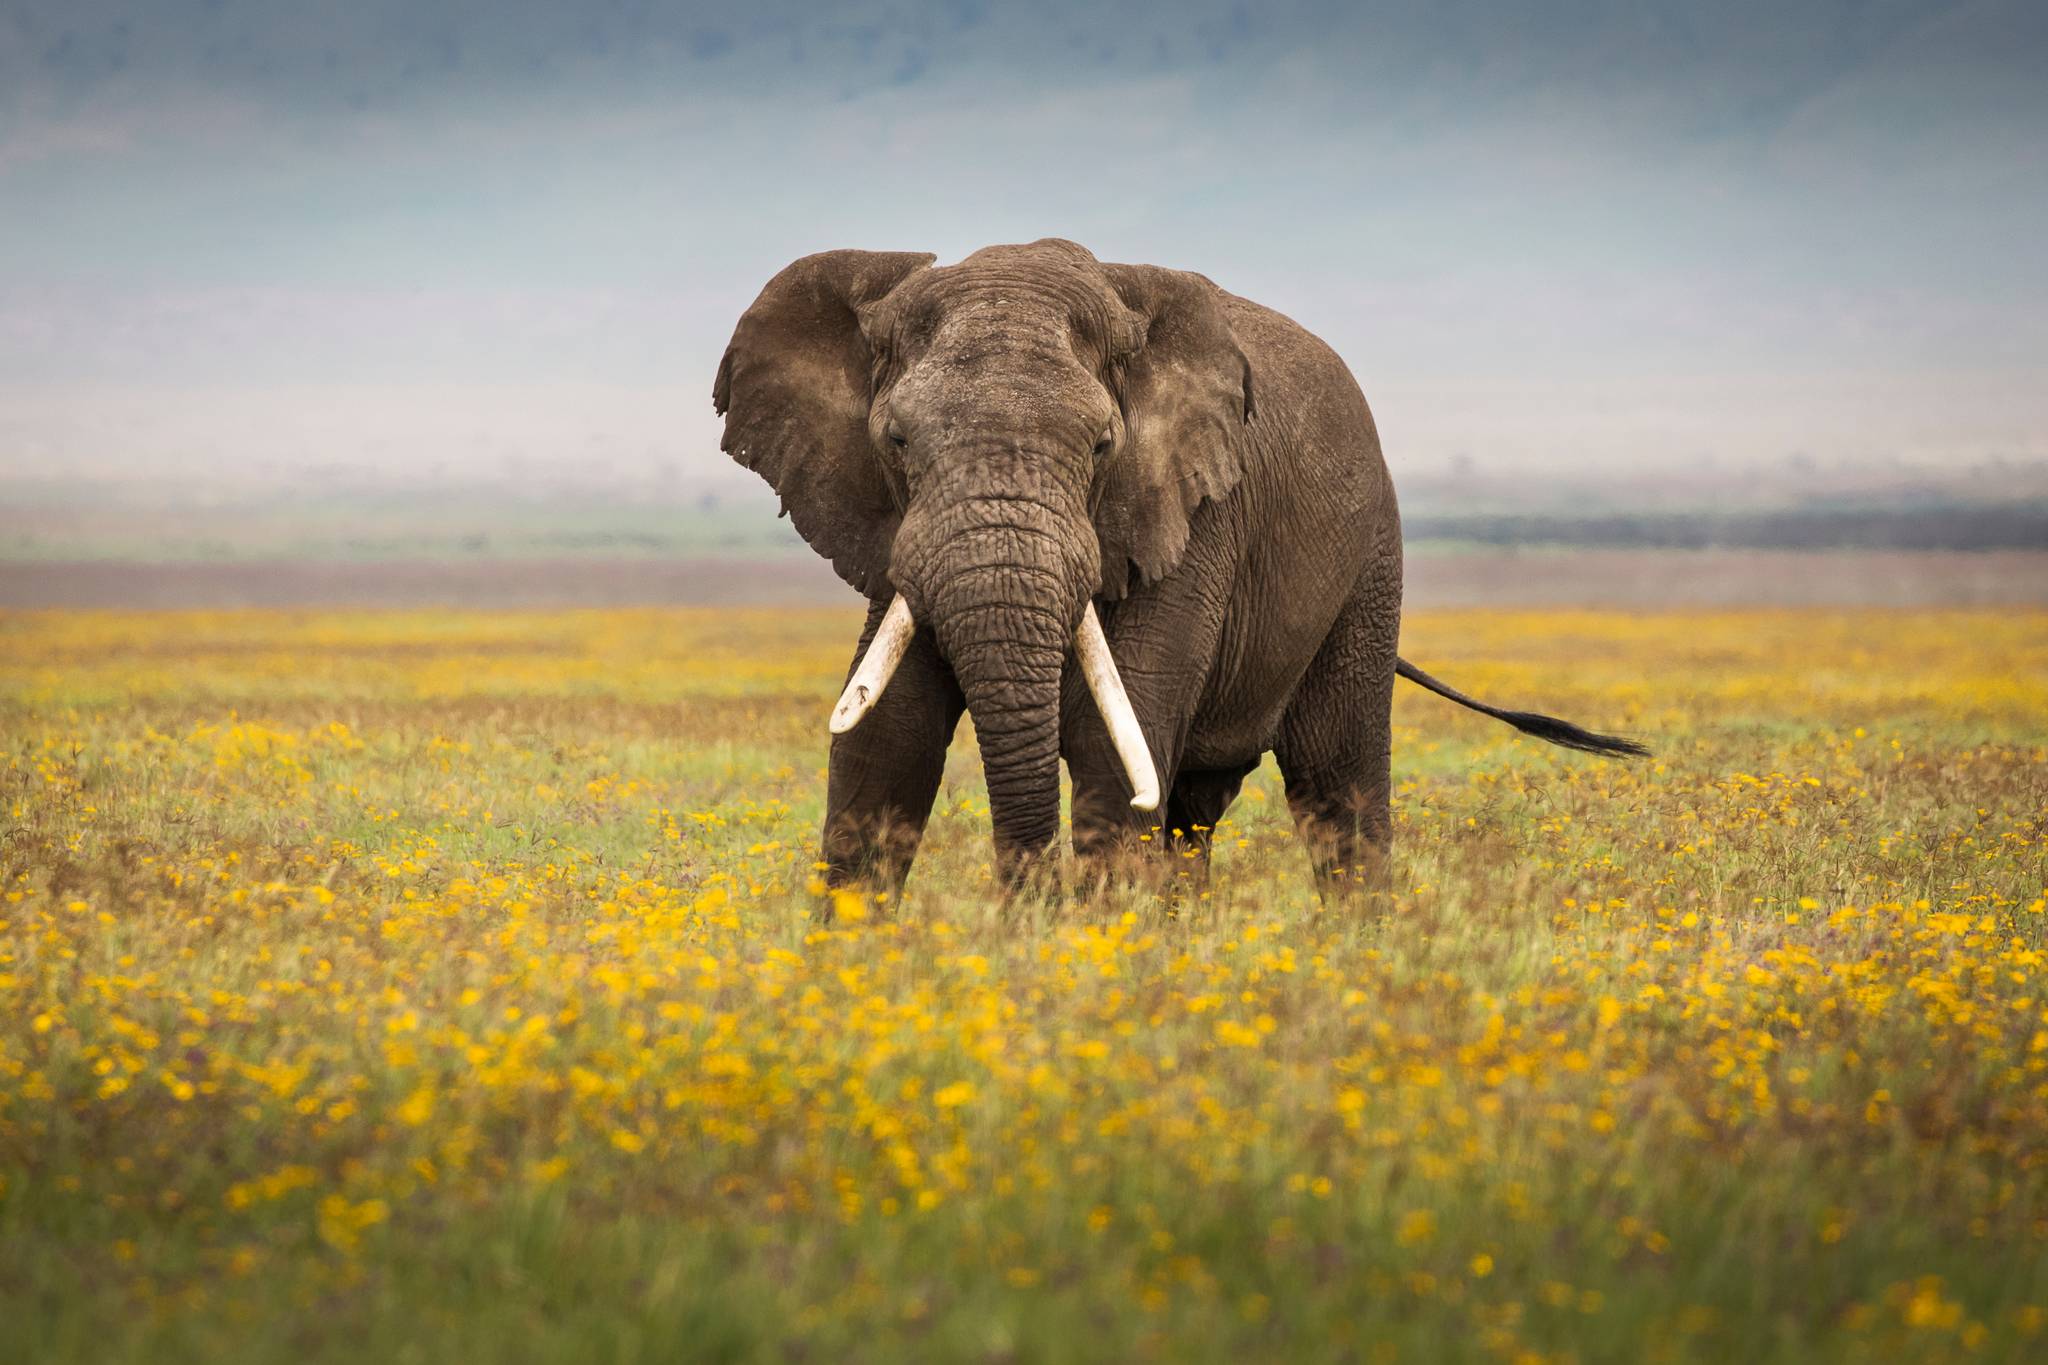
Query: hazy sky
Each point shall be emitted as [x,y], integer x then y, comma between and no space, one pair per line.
[246,237]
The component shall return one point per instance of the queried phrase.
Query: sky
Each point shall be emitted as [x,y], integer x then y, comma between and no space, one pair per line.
[249,241]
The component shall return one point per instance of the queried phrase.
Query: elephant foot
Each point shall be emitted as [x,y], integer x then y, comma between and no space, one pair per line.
[1355,885]
[1351,858]
[1029,875]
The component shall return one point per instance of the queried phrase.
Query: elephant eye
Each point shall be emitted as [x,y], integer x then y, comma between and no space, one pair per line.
[1102,444]
[896,436]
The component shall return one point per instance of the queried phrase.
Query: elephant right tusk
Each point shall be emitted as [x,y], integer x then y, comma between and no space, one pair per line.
[885,651]
[1107,687]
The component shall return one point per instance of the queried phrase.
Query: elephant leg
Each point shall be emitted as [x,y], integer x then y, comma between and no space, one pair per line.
[885,771]
[1335,746]
[1196,803]
[1161,650]
[1166,644]
[1111,841]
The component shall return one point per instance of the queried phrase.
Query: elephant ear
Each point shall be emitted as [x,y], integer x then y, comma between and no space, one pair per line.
[1186,389]
[795,387]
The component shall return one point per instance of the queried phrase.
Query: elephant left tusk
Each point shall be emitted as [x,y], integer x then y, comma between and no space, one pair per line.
[1107,687]
[885,651]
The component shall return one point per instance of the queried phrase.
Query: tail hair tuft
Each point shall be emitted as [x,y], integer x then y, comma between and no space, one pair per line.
[1550,728]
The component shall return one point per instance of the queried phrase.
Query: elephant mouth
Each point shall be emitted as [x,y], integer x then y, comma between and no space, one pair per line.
[1098,670]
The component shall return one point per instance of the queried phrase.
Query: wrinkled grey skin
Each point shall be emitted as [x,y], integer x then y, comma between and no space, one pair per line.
[1003,439]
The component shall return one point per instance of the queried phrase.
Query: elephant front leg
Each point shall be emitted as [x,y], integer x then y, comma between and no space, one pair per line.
[1171,846]
[1163,646]
[1113,842]
[1197,803]
[885,771]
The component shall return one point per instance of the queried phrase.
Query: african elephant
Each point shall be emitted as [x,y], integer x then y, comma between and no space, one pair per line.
[1122,517]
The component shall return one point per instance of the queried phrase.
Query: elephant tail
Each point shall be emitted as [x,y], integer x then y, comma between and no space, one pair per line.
[1528,722]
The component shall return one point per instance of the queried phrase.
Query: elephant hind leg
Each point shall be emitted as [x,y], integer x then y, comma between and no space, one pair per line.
[1335,746]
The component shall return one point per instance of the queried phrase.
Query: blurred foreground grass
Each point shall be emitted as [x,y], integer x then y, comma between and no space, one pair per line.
[425,986]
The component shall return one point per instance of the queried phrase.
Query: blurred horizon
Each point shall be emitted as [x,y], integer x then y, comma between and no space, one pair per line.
[251,247]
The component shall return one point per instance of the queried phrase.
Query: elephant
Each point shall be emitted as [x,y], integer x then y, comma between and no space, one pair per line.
[1118,515]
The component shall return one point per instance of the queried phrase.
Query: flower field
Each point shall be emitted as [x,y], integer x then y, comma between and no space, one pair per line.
[448,986]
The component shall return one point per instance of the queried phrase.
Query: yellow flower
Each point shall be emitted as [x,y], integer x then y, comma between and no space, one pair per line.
[417,1108]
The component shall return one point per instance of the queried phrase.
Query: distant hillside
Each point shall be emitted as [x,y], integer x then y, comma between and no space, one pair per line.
[51,519]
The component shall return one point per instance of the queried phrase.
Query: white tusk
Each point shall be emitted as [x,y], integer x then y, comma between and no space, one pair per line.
[1108,690]
[885,651]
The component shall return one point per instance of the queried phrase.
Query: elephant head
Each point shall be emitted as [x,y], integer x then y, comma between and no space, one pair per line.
[992,444]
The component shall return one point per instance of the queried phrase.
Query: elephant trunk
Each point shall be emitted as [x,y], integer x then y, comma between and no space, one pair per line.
[1008,660]
[1002,580]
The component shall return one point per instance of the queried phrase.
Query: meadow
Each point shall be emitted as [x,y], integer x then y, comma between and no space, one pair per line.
[432,985]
